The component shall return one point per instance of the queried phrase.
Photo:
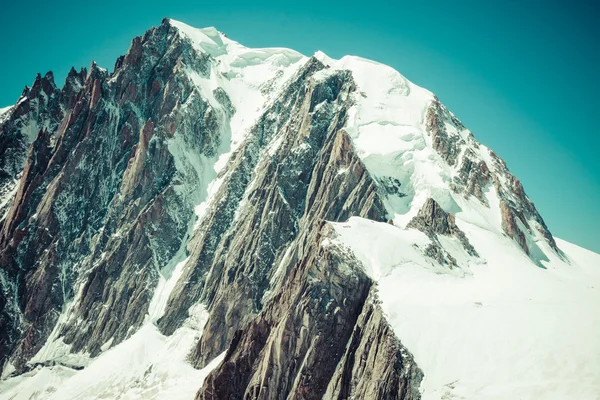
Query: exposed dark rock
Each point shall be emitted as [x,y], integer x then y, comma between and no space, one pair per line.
[457,147]
[448,146]
[473,177]
[433,221]
[515,205]
[222,97]
[509,224]
[149,218]
[436,252]
[375,365]
[295,186]
[210,253]
[292,348]
[391,185]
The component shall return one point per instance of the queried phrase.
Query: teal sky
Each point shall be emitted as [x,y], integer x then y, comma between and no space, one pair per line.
[522,75]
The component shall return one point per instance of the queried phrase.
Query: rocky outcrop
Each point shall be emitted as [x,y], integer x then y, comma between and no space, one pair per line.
[295,184]
[258,181]
[433,220]
[149,216]
[509,224]
[293,347]
[375,364]
[32,122]
[281,351]
[447,145]
[473,177]
[38,108]
[516,206]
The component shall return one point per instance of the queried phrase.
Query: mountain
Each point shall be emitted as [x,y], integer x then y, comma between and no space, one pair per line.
[222,222]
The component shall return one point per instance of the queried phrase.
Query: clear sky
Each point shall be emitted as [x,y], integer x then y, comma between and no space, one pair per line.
[522,75]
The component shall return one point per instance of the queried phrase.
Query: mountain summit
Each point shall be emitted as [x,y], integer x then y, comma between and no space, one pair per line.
[223,222]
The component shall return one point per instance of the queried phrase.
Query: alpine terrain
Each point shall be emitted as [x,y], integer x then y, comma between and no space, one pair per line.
[212,221]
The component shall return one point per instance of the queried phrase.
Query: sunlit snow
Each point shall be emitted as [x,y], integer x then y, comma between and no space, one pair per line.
[507,329]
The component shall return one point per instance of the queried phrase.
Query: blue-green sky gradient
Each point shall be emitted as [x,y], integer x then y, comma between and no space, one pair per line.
[522,75]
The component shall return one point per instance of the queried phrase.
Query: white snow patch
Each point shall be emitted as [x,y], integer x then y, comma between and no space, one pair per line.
[243,73]
[4,110]
[163,290]
[397,243]
[8,197]
[55,350]
[200,209]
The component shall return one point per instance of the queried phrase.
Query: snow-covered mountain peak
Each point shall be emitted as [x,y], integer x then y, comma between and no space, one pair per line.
[207,201]
[410,142]
[215,43]
[207,40]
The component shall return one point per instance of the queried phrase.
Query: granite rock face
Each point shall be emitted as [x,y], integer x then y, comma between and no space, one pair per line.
[516,206]
[433,221]
[38,108]
[447,145]
[37,114]
[375,364]
[294,185]
[161,171]
[99,205]
[474,176]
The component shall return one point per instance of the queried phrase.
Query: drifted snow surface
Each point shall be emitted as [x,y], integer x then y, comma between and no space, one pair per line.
[504,329]
[498,327]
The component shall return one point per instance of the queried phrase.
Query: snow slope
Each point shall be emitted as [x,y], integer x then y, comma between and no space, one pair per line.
[146,366]
[506,329]
[502,325]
